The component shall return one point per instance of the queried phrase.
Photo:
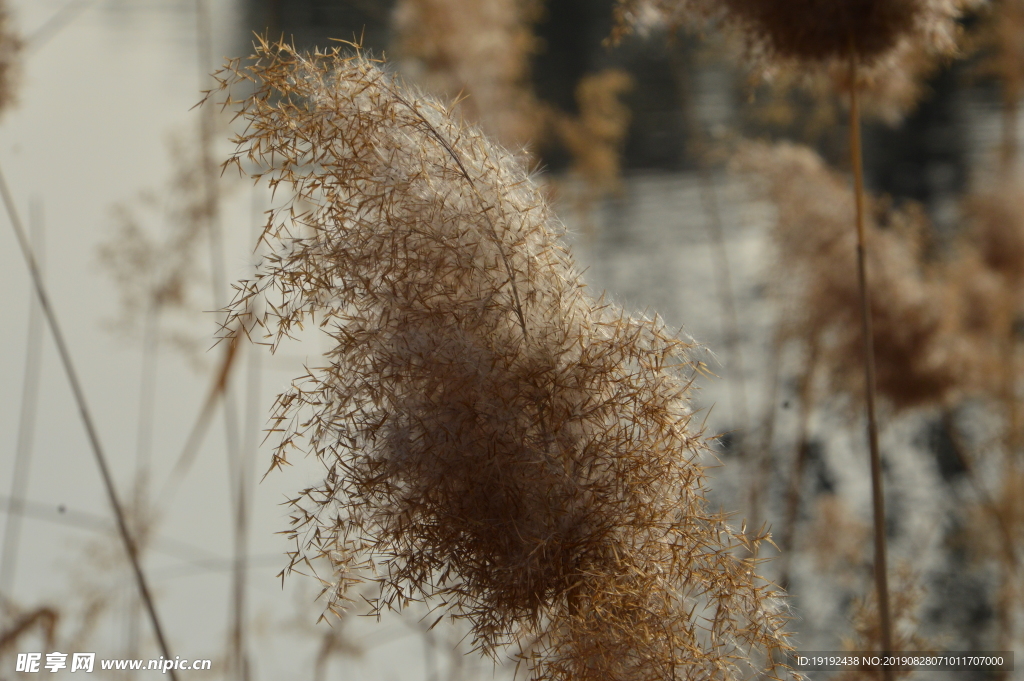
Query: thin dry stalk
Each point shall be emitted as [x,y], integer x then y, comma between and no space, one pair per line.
[83,410]
[877,493]
[26,425]
[197,433]
[494,441]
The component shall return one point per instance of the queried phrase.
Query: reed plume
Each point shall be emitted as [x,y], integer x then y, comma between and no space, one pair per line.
[159,275]
[925,355]
[11,46]
[494,440]
[479,50]
[816,32]
[906,604]
[597,136]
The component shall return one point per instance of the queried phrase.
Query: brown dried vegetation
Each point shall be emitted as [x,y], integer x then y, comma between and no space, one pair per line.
[154,274]
[595,138]
[478,50]
[907,597]
[817,31]
[494,440]
[924,352]
[810,44]
[10,51]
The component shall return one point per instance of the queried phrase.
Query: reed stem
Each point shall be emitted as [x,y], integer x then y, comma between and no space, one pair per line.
[90,428]
[877,496]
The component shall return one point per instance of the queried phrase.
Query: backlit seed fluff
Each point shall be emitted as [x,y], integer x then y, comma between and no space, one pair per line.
[494,441]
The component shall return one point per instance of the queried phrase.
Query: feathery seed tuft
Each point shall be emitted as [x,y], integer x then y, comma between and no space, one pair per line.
[494,441]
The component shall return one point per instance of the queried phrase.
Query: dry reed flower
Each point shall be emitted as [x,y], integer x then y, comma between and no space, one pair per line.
[887,94]
[922,358]
[818,31]
[494,441]
[997,228]
[160,274]
[479,50]
[809,43]
[595,138]
[10,50]
[907,595]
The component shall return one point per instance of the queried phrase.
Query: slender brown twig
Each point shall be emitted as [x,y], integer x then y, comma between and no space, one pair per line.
[83,410]
[877,498]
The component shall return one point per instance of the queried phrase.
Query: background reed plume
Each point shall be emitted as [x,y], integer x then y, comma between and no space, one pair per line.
[11,46]
[478,50]
[493,439]
[926,351]
[817,32]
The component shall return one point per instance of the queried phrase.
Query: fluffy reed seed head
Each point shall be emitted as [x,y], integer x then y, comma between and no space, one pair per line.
[494,440]
[10,50]
[597,136]
[816,31]
[895,44]
[923,353]
[479,50]
[997,228]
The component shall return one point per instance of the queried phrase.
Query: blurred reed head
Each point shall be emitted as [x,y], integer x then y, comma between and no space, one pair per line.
[816,31]
[10,50]
[924,353]
[905,604]
[596,136]
[476,50]
[996,215]
[152,252]
[895,44]
[494,440]
[1002,42]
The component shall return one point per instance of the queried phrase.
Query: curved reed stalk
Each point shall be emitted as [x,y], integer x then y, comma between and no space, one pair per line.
[494,440]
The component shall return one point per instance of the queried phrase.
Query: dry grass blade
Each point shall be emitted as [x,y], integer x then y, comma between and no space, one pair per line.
[493,439]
